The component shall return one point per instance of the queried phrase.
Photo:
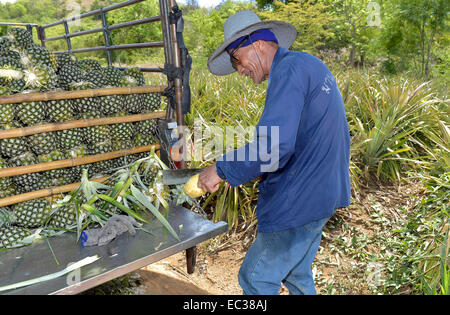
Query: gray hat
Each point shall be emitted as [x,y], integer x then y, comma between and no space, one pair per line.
[242,24]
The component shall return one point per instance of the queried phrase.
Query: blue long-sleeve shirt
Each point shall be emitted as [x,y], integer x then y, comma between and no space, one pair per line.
[301,148]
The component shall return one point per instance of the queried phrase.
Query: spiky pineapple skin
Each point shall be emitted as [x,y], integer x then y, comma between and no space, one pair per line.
[11,236]
[33,213]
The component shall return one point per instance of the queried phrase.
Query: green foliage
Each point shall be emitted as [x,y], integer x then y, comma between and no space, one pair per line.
[310,18]
[204,28]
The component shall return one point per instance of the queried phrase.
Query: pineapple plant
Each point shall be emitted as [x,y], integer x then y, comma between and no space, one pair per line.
[146,127]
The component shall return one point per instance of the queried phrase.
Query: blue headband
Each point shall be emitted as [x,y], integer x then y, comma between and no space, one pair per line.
[263,34]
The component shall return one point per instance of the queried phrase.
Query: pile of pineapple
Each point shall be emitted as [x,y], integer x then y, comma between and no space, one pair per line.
[28,67]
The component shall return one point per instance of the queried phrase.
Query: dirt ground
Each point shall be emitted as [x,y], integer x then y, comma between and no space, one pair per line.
[219,260]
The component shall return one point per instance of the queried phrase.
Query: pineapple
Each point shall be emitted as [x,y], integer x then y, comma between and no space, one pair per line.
[25,182]
[5,43]
[111,104]
[134,102]
[12,236]
[38,55]
[59,110]
[42,143]
[6,217]
[12,146]
[33,213]
[31,113]
[11,190]
[146,127]
[64,59]
[69,74]
[55,155]
[10,54]
[87,65]
[69,138]
[20,38]
[11,74]
[102,166]
[6,113]
[136,74]
[95,134]
[143,140]
[5,182]
[151,102]
[113,75]
[63,217]
[76,171]
[40,77]
[87,104]
[123,131]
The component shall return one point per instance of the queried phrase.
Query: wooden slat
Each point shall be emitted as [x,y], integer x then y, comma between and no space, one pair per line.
[62,95]
[8,201]
[50,127]
[40,167]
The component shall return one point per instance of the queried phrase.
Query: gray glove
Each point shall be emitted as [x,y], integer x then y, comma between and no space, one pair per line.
[115,226]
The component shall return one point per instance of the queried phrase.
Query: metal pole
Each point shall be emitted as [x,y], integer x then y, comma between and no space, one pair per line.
[164,11]
[191,253]
[106,36]
[66,28]
[178,91]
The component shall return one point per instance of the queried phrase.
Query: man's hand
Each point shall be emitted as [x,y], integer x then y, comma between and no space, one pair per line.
[208,180]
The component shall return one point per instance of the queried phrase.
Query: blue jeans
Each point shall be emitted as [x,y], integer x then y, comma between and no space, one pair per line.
[285,256]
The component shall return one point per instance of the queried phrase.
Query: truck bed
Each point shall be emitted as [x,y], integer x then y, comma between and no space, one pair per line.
[123,255]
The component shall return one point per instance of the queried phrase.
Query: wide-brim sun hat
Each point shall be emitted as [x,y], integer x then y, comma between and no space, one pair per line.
[241,24]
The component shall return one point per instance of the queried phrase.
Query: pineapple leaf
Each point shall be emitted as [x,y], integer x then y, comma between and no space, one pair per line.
[145,201]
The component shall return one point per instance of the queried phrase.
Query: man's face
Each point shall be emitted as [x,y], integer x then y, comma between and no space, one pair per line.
[248,62]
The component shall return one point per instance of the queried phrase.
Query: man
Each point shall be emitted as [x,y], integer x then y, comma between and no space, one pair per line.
[305,127]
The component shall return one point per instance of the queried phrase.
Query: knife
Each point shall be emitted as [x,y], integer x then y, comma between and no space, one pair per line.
[177,177]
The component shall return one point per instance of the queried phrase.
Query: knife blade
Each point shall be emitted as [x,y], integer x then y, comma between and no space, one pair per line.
[177,177]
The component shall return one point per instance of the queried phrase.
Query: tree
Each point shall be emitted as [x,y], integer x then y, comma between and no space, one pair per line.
[310,18]
[428,20]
